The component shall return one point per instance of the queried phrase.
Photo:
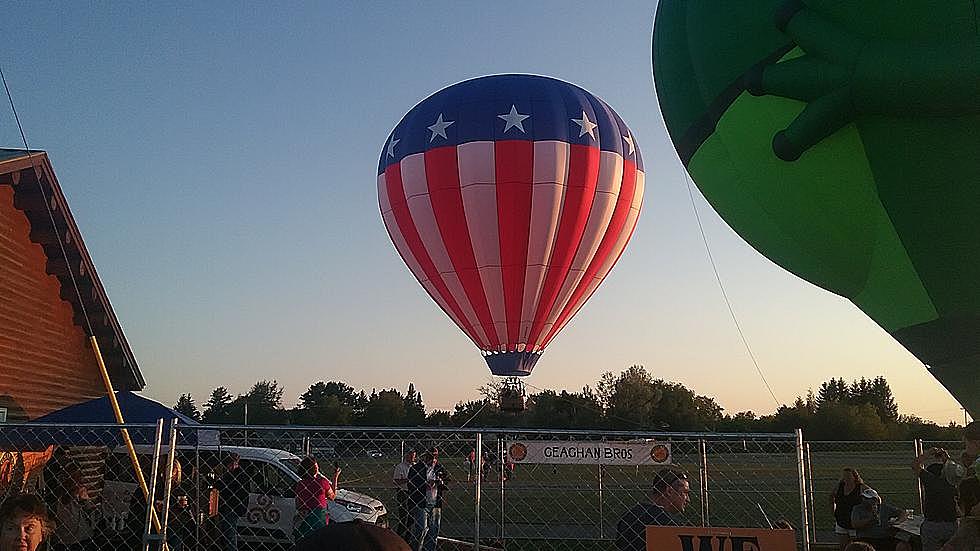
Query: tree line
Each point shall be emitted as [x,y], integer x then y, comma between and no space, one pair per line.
[863,409]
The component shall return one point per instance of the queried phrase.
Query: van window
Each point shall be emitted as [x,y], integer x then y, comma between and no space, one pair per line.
[277,482]
[266,478]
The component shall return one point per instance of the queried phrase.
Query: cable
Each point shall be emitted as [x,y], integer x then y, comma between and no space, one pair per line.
[47,206]
[479,411]
[714,268]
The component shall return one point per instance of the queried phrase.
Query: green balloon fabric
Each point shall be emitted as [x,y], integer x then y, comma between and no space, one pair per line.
[842,141]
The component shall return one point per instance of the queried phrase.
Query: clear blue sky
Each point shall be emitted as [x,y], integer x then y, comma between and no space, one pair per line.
[220,160]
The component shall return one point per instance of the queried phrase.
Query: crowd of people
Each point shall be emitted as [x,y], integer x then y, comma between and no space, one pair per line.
[950,494]
[65,518]
[863,519]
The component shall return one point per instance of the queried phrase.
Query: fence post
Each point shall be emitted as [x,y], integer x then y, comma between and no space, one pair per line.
[501,466]
[801,472]
[168,485]
[812,509]
[917,450]
[151,491]
[199,516]
[476,493]
[703,452]
[599,476]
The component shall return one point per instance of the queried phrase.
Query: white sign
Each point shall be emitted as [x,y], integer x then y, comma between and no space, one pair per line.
[589,453]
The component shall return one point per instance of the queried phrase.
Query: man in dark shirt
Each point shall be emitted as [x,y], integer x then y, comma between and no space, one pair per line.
[938,499]
[233,490]
[427,481]
[671,494]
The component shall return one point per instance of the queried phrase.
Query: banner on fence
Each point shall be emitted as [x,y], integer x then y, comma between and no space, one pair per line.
[694,538]
[589,453]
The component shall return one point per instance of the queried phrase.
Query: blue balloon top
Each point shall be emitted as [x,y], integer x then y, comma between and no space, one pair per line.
[509,107]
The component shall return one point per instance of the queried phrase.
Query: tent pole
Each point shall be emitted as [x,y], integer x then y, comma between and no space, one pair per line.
[125,433]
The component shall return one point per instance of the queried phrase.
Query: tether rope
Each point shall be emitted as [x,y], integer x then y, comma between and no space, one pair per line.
[47,206]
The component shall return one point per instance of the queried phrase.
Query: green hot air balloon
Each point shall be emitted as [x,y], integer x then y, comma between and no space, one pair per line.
[842,140]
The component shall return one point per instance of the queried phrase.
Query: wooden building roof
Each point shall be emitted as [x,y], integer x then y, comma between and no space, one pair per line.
[38,195]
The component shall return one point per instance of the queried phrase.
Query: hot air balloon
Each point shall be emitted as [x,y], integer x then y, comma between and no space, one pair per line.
[510,197]
[840,140]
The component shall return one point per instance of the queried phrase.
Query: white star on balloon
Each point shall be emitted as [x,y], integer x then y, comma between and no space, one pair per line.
[514,119]
[629,141]
[439,128]
[391,146]
[585,125]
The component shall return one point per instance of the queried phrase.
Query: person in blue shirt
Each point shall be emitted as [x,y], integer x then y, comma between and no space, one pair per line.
[671,495]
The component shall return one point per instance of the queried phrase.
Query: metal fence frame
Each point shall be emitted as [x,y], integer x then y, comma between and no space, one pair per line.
[886,465]
[493,500]
[735,472]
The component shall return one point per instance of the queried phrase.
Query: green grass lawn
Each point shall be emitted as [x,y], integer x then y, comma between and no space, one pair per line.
[565,505]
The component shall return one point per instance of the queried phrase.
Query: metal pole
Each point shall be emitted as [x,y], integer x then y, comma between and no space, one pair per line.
[705,519]
[812,509]
[500,462]
[117,412]
[245,424]
[801,473]
[168,485]
[599,477]
[198,516]
[476,493]
[151,493]
[917,450]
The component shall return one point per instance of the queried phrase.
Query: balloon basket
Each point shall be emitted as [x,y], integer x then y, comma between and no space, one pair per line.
[513,396]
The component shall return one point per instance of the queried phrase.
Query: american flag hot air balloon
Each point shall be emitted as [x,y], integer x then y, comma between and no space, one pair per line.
[510,197]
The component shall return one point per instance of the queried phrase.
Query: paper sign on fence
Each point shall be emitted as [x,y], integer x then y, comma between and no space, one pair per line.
[695,538]
[589,453]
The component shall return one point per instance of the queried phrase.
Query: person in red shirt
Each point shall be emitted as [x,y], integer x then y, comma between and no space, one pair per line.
[313,491]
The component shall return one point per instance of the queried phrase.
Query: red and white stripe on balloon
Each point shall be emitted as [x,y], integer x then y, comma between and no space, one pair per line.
[510,198]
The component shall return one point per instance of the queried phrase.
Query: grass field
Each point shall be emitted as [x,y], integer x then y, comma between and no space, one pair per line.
[577,507]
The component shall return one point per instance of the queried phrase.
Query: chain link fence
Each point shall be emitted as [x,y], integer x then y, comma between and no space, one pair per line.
[886,466]
[84,484]
[86,477]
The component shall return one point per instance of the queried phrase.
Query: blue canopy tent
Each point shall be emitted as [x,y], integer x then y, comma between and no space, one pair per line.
[62,427]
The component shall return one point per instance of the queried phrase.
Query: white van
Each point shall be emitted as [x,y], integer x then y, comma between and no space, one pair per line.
[271,503]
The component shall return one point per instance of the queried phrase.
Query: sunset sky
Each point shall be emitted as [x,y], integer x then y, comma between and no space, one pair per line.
[220,160]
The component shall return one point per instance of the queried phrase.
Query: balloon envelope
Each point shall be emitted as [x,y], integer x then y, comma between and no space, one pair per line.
[840,140]
[510,197]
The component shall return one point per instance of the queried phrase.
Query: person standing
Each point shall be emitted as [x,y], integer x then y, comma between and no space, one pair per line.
[968,463]
[938,499]
[470,465]
[233,490]
[426,483]
[671,495]
[313,491]
[971,455]
[72,515]
[400,479]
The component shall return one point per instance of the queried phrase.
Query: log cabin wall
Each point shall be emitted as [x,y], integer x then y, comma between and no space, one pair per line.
[51,299]
[45,359]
